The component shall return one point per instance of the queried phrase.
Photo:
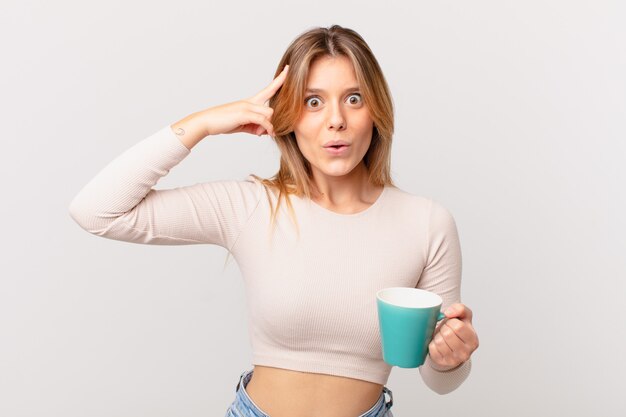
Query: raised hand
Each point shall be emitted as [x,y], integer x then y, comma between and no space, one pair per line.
[249,115]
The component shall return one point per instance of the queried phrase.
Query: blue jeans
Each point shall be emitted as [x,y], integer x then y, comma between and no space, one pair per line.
[243,406]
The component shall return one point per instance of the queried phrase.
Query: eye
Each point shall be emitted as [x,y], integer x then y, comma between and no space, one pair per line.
[315,99]
[355,95]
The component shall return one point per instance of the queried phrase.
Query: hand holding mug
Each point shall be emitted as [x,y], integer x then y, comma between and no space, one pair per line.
[454,339]
[408,320]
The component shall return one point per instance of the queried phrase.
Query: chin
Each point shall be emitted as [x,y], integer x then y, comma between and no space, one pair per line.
[336,172]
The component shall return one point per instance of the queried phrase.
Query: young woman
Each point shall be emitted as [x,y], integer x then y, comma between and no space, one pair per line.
[312,265]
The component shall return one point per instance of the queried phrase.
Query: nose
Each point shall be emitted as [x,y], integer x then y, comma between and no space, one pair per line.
[336,120]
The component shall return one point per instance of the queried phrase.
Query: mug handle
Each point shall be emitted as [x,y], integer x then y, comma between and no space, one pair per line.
[441,316]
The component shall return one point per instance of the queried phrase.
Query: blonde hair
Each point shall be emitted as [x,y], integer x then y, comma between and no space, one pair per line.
[294,175]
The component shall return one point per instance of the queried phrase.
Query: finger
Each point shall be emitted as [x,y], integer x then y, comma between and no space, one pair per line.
[260,130]
[464,331]
[439,351]
[440,323]
[267,93]
[263,121]
[452,339]
[460,311]
[456,327]
[460,351]
[264,110]
[442,345]
[434,353]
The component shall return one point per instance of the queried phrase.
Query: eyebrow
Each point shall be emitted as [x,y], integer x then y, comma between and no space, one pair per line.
[319,90]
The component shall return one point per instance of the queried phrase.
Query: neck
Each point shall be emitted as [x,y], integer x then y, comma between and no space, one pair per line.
[344,190]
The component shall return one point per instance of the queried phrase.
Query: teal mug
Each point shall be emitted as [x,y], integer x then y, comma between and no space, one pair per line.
[407,317]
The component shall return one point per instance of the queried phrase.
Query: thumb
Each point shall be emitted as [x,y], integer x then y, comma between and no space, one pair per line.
[451,311]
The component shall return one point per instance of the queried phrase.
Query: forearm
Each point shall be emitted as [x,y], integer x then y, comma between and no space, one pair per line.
[191,129]
[126,180]
[444,382]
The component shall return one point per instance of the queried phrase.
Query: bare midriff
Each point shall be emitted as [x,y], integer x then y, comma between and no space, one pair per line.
[286,393]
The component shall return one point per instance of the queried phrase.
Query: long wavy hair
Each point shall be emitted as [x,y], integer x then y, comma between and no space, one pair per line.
[294,175]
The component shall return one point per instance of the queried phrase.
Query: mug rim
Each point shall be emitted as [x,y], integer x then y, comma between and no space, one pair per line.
[439,303]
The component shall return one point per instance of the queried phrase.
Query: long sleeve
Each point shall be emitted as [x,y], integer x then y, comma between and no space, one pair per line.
[442,275]
[119,202]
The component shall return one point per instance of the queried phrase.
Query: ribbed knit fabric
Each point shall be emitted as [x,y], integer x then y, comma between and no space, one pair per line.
[311,298]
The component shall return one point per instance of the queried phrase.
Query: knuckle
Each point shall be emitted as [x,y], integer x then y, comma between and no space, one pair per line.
[456,324]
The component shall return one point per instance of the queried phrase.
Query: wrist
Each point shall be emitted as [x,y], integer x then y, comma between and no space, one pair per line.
[190,130]
[443,368]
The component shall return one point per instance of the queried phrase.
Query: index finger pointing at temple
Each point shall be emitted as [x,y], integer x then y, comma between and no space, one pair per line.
[267,93]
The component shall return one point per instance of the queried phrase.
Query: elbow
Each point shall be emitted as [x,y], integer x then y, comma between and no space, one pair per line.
[84,217]
[445,382]
[79,215]
[440,390]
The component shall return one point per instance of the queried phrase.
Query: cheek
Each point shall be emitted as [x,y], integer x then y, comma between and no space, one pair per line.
[301,128]
[366,130]
[309,125]
[365,122]
[307,132]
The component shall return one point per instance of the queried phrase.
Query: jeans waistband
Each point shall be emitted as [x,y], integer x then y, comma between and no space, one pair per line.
[247,374]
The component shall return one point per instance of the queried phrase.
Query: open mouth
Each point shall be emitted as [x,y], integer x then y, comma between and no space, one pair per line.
[337,149]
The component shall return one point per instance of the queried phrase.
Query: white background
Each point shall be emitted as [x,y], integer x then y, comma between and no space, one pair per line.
[509,113]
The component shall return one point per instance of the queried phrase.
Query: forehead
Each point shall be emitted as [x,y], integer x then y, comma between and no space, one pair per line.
[329,73]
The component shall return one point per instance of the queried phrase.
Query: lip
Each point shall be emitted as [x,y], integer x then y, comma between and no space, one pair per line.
[336,142]
[337,151]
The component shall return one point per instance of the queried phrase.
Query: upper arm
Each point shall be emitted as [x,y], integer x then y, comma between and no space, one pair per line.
[210,212]
[442,273]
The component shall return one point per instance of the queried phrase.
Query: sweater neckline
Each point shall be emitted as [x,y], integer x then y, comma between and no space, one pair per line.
[371,207]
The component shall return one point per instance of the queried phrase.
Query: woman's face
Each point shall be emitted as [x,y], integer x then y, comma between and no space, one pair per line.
[333,110]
